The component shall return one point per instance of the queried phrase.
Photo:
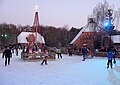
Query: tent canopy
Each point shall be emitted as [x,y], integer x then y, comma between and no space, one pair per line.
[21,38]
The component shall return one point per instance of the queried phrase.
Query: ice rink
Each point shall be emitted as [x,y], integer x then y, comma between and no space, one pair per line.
[65,71]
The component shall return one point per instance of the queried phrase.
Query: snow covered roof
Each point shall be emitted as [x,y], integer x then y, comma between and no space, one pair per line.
[115,38]
[77,36]
[21,38]
[86,28]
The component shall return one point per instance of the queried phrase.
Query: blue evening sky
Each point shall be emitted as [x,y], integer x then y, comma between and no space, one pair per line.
[56,13]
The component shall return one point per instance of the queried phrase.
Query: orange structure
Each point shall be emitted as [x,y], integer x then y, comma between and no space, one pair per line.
[93,40]
[85,38]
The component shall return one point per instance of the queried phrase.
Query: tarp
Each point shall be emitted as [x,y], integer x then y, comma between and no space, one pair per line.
[21,38]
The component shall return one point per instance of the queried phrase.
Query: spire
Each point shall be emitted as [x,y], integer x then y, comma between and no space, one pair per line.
[36,7]
[36,25]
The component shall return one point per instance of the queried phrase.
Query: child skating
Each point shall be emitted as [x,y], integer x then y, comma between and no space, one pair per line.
[45,57]
[110,56]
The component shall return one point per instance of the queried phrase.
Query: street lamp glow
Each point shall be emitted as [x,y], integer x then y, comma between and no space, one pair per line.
[107,25]
[2,35]
[5,35]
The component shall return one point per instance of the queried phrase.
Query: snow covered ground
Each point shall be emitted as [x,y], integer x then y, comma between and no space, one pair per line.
[66,71]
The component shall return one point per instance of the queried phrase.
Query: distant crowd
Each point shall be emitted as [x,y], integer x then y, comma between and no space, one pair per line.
[86,52]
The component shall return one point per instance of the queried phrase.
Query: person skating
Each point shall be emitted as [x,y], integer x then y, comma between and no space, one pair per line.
[110,56]
[16,49]
[45,57]
[59,53]
[70,51]
[114,56]
[84,52]
[7,53]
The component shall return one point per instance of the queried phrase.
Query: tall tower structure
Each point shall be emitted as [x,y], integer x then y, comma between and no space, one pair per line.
[36,25]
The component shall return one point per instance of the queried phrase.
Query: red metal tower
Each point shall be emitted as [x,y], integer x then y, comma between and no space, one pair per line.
[36,25]
[31,38]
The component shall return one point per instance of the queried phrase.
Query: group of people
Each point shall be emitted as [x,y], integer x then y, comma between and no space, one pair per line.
[111,52]
[46,55]
[7,54]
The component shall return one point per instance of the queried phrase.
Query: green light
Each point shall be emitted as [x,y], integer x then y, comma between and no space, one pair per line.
[2,35]
[5,35]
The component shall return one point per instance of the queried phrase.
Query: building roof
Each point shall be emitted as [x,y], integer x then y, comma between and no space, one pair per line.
[86,28]
[115,38]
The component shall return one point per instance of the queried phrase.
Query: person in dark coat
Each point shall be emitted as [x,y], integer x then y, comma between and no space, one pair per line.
[70,51]
[115,53]
[84,52]
[7,53]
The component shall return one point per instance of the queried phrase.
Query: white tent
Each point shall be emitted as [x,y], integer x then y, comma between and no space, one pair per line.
[21,38]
